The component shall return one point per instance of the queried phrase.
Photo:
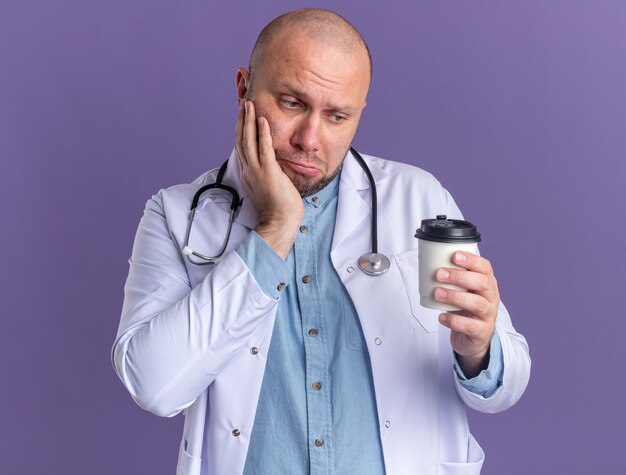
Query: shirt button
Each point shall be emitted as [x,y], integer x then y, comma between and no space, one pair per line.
[254,350]
[316,385]
[315,199]
[313,332]
[319,442]
[281,287]
[236,432]
[350,270]
[378,341]
[387,424]
[306,279]
[304,229]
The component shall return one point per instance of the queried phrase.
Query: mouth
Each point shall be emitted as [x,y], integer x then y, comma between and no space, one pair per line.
[301,168]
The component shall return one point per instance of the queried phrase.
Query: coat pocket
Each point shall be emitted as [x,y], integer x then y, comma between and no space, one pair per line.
[188,464]
[408,263]
[475,459]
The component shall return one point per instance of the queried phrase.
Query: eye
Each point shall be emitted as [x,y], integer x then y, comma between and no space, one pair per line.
[337,118]
[289,104]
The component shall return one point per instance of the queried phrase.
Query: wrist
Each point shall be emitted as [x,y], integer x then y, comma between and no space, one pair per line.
[279,235]
[472,365]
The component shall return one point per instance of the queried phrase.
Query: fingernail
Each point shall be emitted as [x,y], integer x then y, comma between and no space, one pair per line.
[443,318]
[460,257]
[440,294]
[246,107]
[443,274]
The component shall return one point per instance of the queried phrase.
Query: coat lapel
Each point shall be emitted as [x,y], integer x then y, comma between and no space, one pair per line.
[354,201]
[246,215]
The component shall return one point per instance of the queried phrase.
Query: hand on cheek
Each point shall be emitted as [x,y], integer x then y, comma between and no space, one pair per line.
[277,201]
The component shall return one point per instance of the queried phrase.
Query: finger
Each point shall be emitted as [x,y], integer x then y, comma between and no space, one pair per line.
[483,284]
[473,262]
[266,147]
[472,327]
[239,135]
[249,139]
[473,303]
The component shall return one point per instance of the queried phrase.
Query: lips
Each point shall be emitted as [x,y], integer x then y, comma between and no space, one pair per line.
[301,168]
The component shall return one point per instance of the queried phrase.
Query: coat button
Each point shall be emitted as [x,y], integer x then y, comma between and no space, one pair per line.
[236,432]
[304,229]
[319,442]
[315,199]
[254,350]
[316,385]
[313,332]
[281,287]
[378,341]
[306,279]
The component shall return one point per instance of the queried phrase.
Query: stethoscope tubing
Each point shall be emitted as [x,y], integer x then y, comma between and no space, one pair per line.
[370,177]
[372,263]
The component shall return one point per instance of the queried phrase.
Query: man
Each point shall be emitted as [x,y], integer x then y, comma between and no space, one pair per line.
[285,357]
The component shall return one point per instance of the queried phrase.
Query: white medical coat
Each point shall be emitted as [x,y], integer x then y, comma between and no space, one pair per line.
[186,331]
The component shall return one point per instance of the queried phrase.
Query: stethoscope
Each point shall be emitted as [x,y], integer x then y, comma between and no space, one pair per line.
[372,263]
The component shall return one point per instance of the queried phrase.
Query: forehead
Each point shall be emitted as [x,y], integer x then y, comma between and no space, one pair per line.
[312,65]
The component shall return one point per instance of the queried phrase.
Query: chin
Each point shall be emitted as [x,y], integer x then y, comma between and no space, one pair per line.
[307,186]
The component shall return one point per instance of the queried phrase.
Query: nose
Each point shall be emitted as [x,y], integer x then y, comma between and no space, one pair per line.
[306,135]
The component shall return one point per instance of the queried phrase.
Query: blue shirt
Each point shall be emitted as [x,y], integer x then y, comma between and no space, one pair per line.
[317,409]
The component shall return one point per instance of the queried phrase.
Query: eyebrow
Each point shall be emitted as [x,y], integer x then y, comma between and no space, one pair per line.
[297,93]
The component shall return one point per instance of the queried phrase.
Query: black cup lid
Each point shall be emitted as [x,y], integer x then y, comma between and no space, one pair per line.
[442,229]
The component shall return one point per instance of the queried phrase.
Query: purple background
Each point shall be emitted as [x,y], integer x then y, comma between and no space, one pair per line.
[519,108]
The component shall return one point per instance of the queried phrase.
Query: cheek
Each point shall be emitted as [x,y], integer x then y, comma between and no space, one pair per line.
[339,146]
[343,143]
[277,131]
[339,138]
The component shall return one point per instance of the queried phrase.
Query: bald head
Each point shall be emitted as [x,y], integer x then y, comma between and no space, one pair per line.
[322,26]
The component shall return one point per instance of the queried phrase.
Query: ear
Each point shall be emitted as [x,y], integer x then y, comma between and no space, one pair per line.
[243,81]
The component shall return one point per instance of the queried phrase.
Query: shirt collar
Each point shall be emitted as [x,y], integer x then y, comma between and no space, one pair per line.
[323,196]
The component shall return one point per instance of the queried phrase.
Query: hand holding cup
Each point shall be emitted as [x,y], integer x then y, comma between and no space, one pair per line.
[454,278]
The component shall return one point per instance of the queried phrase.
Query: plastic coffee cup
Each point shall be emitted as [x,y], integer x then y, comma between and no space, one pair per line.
[439,239]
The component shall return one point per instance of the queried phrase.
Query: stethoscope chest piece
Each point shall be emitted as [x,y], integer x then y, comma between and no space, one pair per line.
[374,263]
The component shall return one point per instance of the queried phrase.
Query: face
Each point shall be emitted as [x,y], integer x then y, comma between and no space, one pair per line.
[312,95]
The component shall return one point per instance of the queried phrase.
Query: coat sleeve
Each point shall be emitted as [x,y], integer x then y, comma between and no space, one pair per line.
[173,340]
[515,355]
